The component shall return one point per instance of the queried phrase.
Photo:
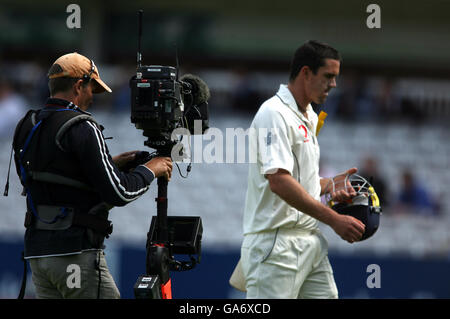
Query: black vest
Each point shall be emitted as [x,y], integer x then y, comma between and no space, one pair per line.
[44,152]
[64,212]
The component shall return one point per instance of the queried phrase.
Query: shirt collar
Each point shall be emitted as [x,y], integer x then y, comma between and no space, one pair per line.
[54,102]
[61,103]
[288,99]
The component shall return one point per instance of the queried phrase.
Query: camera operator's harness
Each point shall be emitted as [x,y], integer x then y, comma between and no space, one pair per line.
[33,172]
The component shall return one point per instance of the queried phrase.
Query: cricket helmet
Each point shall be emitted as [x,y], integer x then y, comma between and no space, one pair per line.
[365,205]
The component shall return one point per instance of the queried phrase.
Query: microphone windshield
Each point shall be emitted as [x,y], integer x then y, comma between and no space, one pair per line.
[200,90]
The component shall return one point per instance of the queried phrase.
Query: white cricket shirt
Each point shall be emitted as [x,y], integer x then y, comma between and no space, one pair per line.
[281,138]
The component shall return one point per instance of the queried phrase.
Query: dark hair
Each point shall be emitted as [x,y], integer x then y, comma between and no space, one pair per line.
[61,84]
[313,55]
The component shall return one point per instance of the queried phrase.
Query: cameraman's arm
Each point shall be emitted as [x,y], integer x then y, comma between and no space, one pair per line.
[123,159]
[117,188]
[160,167]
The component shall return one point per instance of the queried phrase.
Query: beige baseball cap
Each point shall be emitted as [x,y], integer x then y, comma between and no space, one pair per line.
[75,65]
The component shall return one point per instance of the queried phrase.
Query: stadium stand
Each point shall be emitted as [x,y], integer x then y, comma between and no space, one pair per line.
[216,191]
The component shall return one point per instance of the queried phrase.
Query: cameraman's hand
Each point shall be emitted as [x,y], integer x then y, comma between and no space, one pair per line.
[161,166]
[349,228]
[122,159]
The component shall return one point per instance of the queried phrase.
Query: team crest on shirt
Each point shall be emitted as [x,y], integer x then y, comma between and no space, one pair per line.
[270,138]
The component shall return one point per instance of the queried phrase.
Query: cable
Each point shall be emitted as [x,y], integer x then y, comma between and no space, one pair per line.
[189,167]
[188,170]
[5,193]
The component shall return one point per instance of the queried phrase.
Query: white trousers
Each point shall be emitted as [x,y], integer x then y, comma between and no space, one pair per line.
[287,263]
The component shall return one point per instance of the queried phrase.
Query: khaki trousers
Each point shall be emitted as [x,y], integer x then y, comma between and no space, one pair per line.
[73,277]
[287,263]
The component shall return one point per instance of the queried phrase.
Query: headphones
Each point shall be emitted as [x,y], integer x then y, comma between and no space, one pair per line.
[87,77]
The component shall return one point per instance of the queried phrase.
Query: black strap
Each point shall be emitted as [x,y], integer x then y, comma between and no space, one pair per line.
[24,278]
[68,121]
[91,221]
[58,179]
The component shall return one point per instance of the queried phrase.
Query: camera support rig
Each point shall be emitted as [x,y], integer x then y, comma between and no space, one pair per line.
[167,236]
[157,107]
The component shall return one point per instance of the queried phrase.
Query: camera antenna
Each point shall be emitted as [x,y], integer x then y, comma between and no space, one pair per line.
[139,54]
[177,62]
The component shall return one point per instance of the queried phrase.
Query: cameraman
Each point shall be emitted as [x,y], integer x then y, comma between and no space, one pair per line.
[71,182]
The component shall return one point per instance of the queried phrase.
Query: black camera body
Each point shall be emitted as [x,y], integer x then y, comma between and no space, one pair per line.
[161,103]
[157,103]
